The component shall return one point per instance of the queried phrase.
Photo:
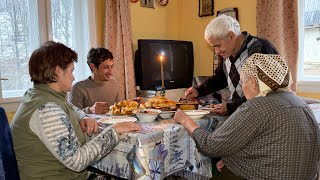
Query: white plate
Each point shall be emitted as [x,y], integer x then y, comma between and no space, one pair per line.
[116,119]
[98,116]
[196,114]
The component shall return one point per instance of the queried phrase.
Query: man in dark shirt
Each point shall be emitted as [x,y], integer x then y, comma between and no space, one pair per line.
[224,35]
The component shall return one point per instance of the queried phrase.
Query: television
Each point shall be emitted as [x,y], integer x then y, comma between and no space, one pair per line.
[177,64]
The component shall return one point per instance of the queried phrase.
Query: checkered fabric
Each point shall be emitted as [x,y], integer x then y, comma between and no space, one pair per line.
[270,71]
[272,137]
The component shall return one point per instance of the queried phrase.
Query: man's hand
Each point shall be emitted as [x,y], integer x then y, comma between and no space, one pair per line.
[89,125]
[125,127]
[220,109]
[99,108]
[191,93]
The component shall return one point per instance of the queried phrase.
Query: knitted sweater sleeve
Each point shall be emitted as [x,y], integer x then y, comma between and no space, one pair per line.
[235,133]
[53,127]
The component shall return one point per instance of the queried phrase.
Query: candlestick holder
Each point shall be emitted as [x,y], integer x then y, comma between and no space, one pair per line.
[160,91]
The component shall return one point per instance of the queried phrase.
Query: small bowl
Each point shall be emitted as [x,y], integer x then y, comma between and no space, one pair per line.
[167,114]
[146,115]
[196,114]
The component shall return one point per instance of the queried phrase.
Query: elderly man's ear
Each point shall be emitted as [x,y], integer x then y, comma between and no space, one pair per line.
[231,35]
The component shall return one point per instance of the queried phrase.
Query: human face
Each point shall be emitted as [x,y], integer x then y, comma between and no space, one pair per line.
[104,72]
[249,86]
[65,78]
[224,47]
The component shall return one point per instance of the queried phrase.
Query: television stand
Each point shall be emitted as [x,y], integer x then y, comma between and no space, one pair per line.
[171,94]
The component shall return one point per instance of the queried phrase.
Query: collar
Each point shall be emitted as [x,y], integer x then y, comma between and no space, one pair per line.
[46,88]
[247,39]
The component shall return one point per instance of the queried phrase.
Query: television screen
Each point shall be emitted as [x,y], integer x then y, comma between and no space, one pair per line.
[178,64]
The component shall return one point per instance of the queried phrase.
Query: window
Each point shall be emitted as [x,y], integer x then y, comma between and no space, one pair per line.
[309,28]
[25,24]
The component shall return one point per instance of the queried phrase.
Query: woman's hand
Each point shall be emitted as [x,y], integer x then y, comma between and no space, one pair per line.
[125,127]
[182,118]
[89,125]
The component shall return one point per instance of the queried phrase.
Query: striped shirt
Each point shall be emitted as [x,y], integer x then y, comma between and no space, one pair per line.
[57,134]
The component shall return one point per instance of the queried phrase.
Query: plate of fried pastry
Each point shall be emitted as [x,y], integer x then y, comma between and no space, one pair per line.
[126,108]
[161,103]
[123,107]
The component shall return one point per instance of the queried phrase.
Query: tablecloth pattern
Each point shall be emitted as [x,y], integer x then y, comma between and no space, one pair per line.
[162,149]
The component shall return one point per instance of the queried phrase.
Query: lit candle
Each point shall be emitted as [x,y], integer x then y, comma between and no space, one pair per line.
[162,75]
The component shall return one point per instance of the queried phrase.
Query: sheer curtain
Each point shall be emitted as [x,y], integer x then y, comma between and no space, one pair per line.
[277,21]
[118,39]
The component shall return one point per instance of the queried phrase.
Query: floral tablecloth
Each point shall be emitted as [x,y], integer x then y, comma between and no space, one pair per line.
[161,149]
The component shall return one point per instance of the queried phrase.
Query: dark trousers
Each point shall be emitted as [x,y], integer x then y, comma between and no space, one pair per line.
[226,174]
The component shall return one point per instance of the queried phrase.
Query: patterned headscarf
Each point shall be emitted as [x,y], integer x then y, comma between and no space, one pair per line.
[270,71]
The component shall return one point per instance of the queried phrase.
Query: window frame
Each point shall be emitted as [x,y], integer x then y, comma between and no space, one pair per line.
[41,11]
[309,84]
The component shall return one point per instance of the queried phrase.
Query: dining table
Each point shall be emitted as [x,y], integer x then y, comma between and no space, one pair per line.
[160,149]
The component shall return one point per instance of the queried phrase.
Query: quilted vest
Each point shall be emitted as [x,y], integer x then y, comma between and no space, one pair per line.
[34,160]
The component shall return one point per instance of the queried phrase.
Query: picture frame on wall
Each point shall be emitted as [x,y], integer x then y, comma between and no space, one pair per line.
[206,8]
[147,3]
[233,12]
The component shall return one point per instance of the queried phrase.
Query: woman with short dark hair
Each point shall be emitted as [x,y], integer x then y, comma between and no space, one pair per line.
[48,132]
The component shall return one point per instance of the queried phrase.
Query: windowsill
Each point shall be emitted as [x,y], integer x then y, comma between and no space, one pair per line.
[11,104]
[308,86]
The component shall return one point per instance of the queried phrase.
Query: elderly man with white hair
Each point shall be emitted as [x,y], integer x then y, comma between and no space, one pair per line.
[274,135]
[224,35]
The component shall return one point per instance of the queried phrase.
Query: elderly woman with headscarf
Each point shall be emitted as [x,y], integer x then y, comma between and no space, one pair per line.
[48,132]
[274,135]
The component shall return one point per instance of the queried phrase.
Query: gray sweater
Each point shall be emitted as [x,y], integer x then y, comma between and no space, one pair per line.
[85,93]
[272,137]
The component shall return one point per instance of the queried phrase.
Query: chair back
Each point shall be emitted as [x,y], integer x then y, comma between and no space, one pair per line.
[8,163]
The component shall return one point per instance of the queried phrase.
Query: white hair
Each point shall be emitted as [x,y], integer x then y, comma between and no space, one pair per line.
[220,26]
